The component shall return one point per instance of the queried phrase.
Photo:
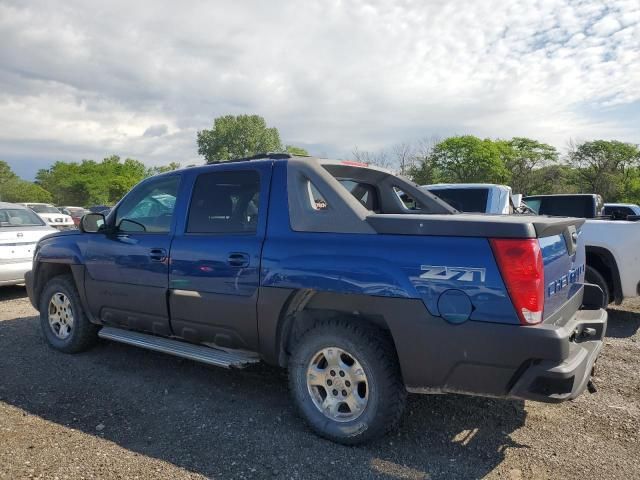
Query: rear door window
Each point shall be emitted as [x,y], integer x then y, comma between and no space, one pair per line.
[225,202]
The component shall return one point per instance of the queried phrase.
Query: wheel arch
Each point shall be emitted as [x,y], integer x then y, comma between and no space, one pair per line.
[45,271]
[301,309]
[604,262]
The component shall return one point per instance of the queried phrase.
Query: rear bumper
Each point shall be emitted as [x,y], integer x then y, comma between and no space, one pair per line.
[553,381]
[552,362]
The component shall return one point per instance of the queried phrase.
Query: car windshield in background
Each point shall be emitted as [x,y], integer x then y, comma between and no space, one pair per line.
[472,200]
[44,209]
[18,217]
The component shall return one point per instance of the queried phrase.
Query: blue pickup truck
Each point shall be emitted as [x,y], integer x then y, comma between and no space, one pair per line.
[358,282]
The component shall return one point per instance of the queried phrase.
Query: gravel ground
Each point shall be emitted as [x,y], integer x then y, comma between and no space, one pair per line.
[121,412]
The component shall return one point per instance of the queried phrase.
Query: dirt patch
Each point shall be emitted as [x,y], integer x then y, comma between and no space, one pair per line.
[121,412]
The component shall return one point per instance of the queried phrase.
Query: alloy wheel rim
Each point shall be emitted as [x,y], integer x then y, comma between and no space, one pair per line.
[60,315]
[337,384]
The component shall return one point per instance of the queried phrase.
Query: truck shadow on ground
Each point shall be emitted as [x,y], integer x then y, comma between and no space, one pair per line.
[622,323]
[232,423]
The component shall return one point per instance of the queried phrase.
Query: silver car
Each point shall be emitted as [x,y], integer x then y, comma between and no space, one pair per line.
[20,230]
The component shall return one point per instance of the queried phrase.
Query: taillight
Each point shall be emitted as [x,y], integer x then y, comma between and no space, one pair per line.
[520,263]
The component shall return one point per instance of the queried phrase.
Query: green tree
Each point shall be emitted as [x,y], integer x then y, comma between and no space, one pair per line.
[17,190]
[164,168]
[522,157]
[605,167]
[89,182]
[6,173]
[293,150]
[14,189]
[236,137]
[425,172]
[468,159]
[552,179]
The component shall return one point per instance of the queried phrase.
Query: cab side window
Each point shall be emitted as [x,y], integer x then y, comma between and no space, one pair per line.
[225,202]
[149,207]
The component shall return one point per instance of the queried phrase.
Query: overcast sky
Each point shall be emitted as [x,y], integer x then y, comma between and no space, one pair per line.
[140,78]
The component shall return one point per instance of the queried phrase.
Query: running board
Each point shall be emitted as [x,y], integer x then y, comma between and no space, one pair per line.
[208,355]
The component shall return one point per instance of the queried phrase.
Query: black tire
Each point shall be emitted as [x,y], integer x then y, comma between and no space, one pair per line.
[595,277]
[82,334]
[376,355]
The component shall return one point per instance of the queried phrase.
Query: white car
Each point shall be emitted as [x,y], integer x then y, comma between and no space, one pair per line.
[20,230]
[52,216]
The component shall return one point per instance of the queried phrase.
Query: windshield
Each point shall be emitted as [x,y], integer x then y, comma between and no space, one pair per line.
[18,217]
[44,209]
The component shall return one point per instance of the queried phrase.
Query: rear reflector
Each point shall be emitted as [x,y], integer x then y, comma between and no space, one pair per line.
[520,263]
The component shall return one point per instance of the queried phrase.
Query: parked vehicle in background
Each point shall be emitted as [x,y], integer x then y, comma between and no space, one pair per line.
[613,256]
[20,230]
[474,197]
[360,297]
[51,215]
[76,213]
[104,209]
[582,205]
[620,211]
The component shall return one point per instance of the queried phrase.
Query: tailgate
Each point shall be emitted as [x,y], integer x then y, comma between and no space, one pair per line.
[563,256]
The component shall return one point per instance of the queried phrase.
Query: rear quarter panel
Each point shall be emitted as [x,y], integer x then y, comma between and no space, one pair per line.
[389,266]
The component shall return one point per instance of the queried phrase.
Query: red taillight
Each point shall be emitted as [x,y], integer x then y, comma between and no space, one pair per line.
[520,263]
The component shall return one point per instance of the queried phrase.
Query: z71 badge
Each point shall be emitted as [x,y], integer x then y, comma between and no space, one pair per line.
[463,274]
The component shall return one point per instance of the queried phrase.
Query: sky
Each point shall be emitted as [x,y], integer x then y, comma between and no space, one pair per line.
[138,79]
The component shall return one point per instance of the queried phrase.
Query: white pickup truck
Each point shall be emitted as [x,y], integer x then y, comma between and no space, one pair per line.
[613,257]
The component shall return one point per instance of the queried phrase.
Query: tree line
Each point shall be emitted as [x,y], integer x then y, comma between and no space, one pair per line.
[82,183]
[608,167]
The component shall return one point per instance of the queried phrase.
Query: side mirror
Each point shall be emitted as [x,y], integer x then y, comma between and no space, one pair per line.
[92,222]
[131,226]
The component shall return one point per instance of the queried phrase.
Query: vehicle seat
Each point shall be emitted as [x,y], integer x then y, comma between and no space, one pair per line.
[213,213]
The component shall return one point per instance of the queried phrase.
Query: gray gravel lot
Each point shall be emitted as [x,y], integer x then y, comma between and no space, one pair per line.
[121,412]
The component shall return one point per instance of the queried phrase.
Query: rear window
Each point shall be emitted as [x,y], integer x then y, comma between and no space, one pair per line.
[562,206]
[18,217]
[464,199]
[365,193]
[618,212]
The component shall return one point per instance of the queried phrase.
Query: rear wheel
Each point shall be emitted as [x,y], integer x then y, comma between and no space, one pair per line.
[62,319]
[346,382]
[594,276]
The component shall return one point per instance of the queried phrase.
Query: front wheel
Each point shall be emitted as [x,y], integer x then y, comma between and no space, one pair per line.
[62,319]
[346,382]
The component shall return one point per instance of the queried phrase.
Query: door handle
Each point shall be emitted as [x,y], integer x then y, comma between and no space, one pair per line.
[158,254]
[238,259]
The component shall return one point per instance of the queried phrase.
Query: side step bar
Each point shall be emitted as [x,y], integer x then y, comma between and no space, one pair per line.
[211,356]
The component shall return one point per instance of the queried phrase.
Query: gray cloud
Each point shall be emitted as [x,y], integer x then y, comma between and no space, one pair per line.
[139,79]
[156,130]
